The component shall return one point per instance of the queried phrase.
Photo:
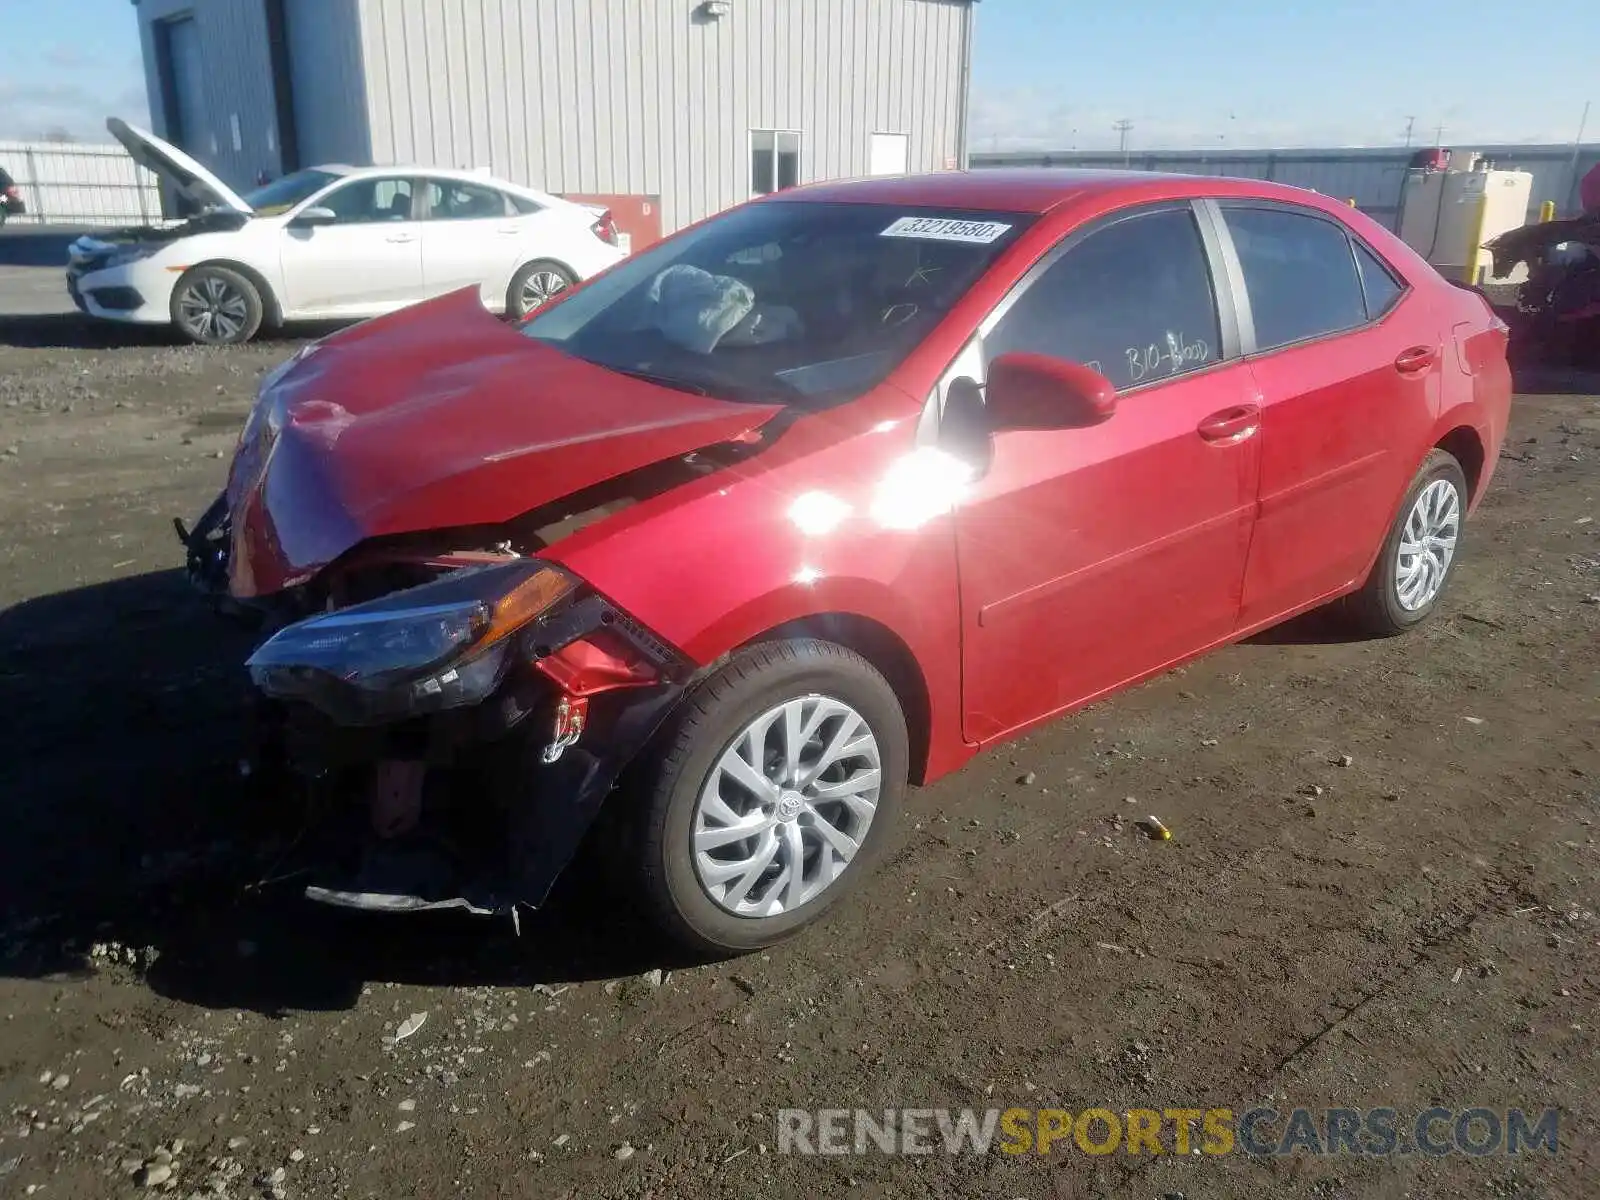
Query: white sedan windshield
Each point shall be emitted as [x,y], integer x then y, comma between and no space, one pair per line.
[281,195]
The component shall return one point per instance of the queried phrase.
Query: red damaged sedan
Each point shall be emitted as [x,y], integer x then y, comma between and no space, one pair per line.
[711,557]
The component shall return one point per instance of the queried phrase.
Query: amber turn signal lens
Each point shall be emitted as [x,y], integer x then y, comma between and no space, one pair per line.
[525,602]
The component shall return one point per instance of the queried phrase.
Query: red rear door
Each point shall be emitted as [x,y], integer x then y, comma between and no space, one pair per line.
[1348,365]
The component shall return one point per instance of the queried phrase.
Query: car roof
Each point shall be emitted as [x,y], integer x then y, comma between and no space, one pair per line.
[465,175]
[1034,189]
[461,173]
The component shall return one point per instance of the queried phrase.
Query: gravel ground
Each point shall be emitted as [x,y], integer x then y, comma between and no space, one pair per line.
[1380,892]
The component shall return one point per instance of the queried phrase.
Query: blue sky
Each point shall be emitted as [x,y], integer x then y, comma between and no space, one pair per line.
[1058,73]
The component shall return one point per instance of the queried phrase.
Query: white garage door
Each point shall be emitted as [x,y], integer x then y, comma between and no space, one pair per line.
[891,154]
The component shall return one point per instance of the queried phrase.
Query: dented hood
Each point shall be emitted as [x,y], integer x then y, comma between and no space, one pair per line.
[435,417]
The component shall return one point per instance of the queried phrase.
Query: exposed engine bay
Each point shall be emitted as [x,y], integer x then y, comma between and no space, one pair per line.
[157,233]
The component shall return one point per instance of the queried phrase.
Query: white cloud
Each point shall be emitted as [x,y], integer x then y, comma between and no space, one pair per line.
[28,111]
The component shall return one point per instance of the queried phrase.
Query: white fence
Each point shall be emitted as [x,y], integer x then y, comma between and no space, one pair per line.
[64,183]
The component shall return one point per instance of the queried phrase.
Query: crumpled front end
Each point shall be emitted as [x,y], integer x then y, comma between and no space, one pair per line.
[456,708]
[457,739]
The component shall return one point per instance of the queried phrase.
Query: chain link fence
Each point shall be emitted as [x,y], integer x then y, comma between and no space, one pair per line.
[65,183]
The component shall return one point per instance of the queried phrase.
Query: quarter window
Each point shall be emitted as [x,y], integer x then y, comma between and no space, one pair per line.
[1377,282]
[1299,273]
[368,200]
[1133,300]
[774,161]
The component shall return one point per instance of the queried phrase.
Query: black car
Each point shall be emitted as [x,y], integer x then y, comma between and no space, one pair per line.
[10,198]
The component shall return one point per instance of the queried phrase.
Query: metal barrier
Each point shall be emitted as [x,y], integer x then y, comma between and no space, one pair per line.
[65,183]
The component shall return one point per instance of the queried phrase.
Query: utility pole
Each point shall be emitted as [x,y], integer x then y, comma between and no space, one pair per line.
[1122,127]
[1411,123]
[1438,136]
[1577,148]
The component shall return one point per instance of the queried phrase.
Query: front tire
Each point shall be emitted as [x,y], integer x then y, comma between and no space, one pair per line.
[216,306]
[770,797]
[1419,553]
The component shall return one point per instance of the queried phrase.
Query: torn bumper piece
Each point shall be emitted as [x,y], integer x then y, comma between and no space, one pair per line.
[480,807]
[498,834]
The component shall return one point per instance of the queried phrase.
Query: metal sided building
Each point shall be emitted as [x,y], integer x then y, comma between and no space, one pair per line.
[697,104]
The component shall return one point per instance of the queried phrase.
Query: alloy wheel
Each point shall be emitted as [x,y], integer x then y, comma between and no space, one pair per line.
[786,807]
[1427,545]
[539,287]
[213,310]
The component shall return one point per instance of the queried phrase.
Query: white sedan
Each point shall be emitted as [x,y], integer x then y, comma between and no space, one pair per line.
[329,243]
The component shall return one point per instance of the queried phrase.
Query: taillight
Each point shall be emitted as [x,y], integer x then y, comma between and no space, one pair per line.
[605,229]
[11,193]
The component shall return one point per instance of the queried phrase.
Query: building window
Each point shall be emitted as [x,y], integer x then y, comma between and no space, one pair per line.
[774,160]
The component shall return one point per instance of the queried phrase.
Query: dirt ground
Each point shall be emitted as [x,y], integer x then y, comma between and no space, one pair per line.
[1381,892]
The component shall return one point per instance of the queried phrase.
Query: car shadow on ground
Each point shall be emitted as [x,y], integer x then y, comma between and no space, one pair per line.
[129,832]
[1327,626]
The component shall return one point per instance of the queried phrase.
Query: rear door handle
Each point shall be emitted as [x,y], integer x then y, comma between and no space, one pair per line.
[402,238]
[1231,424]
[510,230]
[1416,360]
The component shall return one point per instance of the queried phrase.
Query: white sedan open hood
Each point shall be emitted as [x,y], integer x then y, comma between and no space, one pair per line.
[176,167]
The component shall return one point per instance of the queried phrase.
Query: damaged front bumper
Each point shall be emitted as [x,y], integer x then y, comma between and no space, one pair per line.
[478,807]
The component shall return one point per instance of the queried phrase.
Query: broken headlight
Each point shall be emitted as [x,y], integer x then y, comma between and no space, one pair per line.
[441,645]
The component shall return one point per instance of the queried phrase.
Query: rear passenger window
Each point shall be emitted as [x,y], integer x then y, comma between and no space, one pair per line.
[1299,274]
[1133,300]
[1380,286]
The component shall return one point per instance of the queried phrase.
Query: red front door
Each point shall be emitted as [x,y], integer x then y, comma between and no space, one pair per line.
[1091,556]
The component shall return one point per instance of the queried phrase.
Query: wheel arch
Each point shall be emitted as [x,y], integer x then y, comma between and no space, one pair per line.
[1465,444]
[888,654]
[271,308]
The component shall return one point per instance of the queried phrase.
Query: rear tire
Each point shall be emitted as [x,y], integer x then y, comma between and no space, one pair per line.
[534,285]
[829,796]
[217,306]
[1419,553]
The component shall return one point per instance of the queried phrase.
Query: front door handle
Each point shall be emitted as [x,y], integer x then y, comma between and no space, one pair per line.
[401,238]
[1416,360]
[1231,424]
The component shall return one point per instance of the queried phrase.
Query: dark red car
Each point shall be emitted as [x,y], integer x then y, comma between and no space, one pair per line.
[820,497]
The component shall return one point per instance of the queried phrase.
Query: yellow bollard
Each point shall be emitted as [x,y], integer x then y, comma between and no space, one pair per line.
[1547,212]
[1475,241]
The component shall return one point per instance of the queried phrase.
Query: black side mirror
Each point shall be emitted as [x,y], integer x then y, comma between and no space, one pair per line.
[1035,391]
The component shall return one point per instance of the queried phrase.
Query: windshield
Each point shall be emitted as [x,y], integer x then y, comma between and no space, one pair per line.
[281,195]
[785,301]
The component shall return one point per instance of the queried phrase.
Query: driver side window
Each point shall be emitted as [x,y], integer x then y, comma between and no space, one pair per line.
[370,200]
[1133,300]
